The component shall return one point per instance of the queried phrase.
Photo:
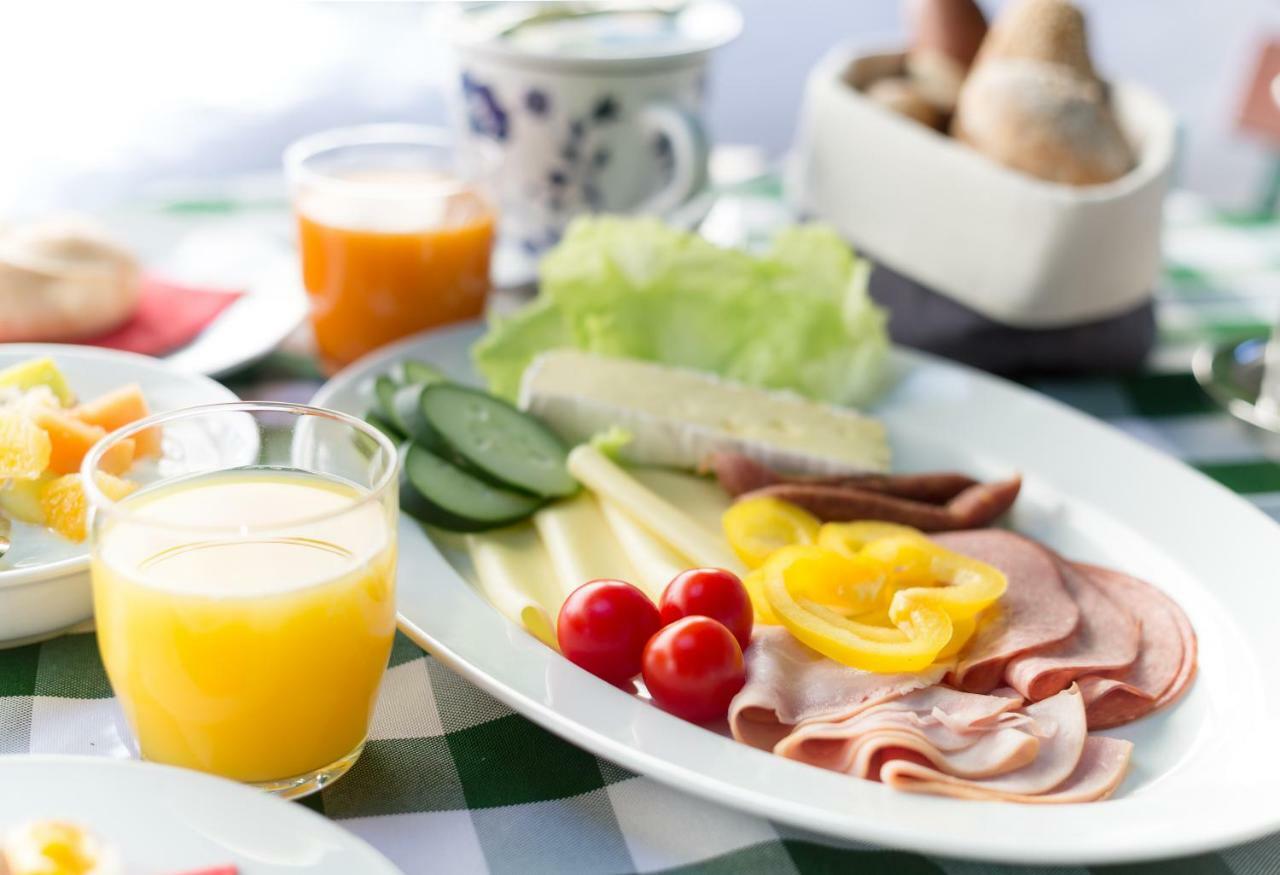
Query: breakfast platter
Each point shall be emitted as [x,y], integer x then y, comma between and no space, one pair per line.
[991,428]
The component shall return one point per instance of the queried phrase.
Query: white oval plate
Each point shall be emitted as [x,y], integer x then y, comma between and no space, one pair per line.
[1203,776]
[164,820]
[44,582]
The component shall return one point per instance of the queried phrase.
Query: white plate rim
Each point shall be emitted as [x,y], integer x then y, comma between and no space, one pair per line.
[32,574]
[290,811]
[1194,835]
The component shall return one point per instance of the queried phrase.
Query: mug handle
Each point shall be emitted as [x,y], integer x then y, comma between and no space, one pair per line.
[689,153]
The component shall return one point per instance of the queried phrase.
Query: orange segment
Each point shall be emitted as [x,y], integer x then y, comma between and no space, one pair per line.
[117,409]
[25,448]
[66,507]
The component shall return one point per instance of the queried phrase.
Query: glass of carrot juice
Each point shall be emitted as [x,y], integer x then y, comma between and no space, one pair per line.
[244,591]
[395,231]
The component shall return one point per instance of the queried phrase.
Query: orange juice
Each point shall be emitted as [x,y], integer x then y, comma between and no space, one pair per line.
[380,270]
[256,657]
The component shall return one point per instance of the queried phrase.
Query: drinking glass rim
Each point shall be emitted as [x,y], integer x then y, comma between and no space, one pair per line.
[100,501]
[297,153]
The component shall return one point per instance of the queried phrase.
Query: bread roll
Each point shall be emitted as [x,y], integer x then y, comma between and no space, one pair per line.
[1034,103]
[936,77]
[903,97]
[63,280]
[945,36]
[954,28]
[1050,31]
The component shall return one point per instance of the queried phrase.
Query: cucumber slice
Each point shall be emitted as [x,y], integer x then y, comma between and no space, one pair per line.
[375,418]
[407,405]
[384,390]
[509,447]
[439,493]
[406,411]
[411,371]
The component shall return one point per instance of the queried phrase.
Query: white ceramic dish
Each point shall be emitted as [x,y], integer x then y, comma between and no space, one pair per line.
[164,820]
[939,212]
[44,578]
[1201,778]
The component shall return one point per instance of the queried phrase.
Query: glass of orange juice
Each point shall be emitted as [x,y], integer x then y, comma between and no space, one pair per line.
[244,591]
[395,231]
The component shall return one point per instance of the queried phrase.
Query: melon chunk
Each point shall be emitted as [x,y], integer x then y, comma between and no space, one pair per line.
[119,408]
[71,440]
[24,447]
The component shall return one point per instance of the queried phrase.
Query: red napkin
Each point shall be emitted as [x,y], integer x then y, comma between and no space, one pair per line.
[169,316]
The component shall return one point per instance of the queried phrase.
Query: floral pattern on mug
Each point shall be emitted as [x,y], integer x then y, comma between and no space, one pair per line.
[484,114]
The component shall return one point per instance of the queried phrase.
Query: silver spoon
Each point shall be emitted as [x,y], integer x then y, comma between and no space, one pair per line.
[5,528]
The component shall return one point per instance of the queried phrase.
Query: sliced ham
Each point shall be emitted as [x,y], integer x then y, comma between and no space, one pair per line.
[1166,660]
[788,683]
[1034,612]
[1106,639]
[1101,769]
[961,733]
[1061,726]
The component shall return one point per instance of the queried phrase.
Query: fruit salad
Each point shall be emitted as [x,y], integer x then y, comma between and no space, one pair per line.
[45,433]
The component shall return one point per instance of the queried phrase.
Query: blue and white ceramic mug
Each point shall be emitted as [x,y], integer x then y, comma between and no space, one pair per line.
[594,112]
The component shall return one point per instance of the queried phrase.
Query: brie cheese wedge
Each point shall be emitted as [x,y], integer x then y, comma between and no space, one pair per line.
[677,417]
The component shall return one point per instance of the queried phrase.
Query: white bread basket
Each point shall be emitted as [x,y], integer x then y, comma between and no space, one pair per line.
[1017,250]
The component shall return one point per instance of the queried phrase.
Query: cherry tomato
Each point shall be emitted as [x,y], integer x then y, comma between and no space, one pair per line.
[709,592]
[693,668]
[603,626]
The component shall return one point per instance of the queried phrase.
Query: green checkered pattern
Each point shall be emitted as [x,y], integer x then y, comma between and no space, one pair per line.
[453,781]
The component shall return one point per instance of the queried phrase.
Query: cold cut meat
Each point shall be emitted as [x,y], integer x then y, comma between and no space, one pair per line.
[962,733]
[1106,639]
[738,473]
[787,684]
[1099,772]
[1166,660]
[976,506]
[1034,612]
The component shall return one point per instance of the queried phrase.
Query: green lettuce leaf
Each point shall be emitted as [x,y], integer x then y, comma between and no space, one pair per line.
[794,317]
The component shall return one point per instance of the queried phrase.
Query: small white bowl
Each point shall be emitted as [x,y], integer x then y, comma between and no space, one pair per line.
[1018,250]
[44,579]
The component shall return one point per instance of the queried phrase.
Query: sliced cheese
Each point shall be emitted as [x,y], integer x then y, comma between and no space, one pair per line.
[700,497]
[677,417]
[515,575]
[580,544]
[673,526]
[654,561]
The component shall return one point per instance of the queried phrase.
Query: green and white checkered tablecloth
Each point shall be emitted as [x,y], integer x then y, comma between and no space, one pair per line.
[453,781]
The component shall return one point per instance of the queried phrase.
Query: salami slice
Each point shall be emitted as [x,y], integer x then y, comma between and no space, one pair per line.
[1166,661]
[1035,611]
[1107,639]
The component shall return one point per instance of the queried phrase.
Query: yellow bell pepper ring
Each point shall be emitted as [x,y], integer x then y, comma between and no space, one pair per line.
[849,584]
[971,586]
[850,538]
[919,638]
[753,582]
[758,527]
